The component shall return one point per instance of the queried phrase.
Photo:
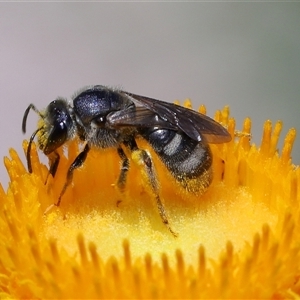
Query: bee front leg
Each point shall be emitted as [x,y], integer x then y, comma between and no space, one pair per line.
[54,162]
[79,160]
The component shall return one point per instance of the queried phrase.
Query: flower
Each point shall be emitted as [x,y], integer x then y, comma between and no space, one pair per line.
[238,240]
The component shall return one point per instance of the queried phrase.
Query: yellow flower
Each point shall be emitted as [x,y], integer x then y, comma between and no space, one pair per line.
[241,239]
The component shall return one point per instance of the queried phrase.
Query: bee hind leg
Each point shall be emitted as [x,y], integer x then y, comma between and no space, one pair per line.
[143,158]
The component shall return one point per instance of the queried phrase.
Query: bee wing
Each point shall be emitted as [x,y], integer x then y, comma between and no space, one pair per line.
[151,112]
[139,117]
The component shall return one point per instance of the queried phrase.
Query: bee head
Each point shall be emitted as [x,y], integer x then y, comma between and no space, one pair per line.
[55,127]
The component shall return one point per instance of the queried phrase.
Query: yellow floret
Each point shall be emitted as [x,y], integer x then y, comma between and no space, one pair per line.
[240,239]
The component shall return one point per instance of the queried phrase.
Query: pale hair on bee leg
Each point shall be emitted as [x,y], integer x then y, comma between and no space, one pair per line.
[124,170]
[143,158]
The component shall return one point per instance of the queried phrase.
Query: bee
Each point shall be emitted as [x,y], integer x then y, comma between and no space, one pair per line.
[103,117]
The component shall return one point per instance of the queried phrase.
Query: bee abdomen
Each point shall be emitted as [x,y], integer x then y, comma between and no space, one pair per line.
[188,161]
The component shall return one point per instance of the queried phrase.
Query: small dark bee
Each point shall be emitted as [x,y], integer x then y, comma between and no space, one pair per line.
[103,117]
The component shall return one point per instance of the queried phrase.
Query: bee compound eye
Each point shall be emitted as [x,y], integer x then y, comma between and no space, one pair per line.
[57,137]
[58,125]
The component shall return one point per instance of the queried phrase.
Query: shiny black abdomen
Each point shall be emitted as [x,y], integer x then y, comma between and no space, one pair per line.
[185,158]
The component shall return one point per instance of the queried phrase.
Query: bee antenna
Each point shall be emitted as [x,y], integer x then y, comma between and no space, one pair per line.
[31,106]
[29,148]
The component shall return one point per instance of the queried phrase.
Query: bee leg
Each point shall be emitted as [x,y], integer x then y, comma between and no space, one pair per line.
[79,160]
[124,169]
[141,156]
[145,157]
[54,161]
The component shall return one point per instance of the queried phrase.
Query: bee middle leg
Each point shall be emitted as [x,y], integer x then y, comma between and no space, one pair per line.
[124,170]
[143,158]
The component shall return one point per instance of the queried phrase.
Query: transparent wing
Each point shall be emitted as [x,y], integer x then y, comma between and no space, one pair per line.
[138,116]
[151,112]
